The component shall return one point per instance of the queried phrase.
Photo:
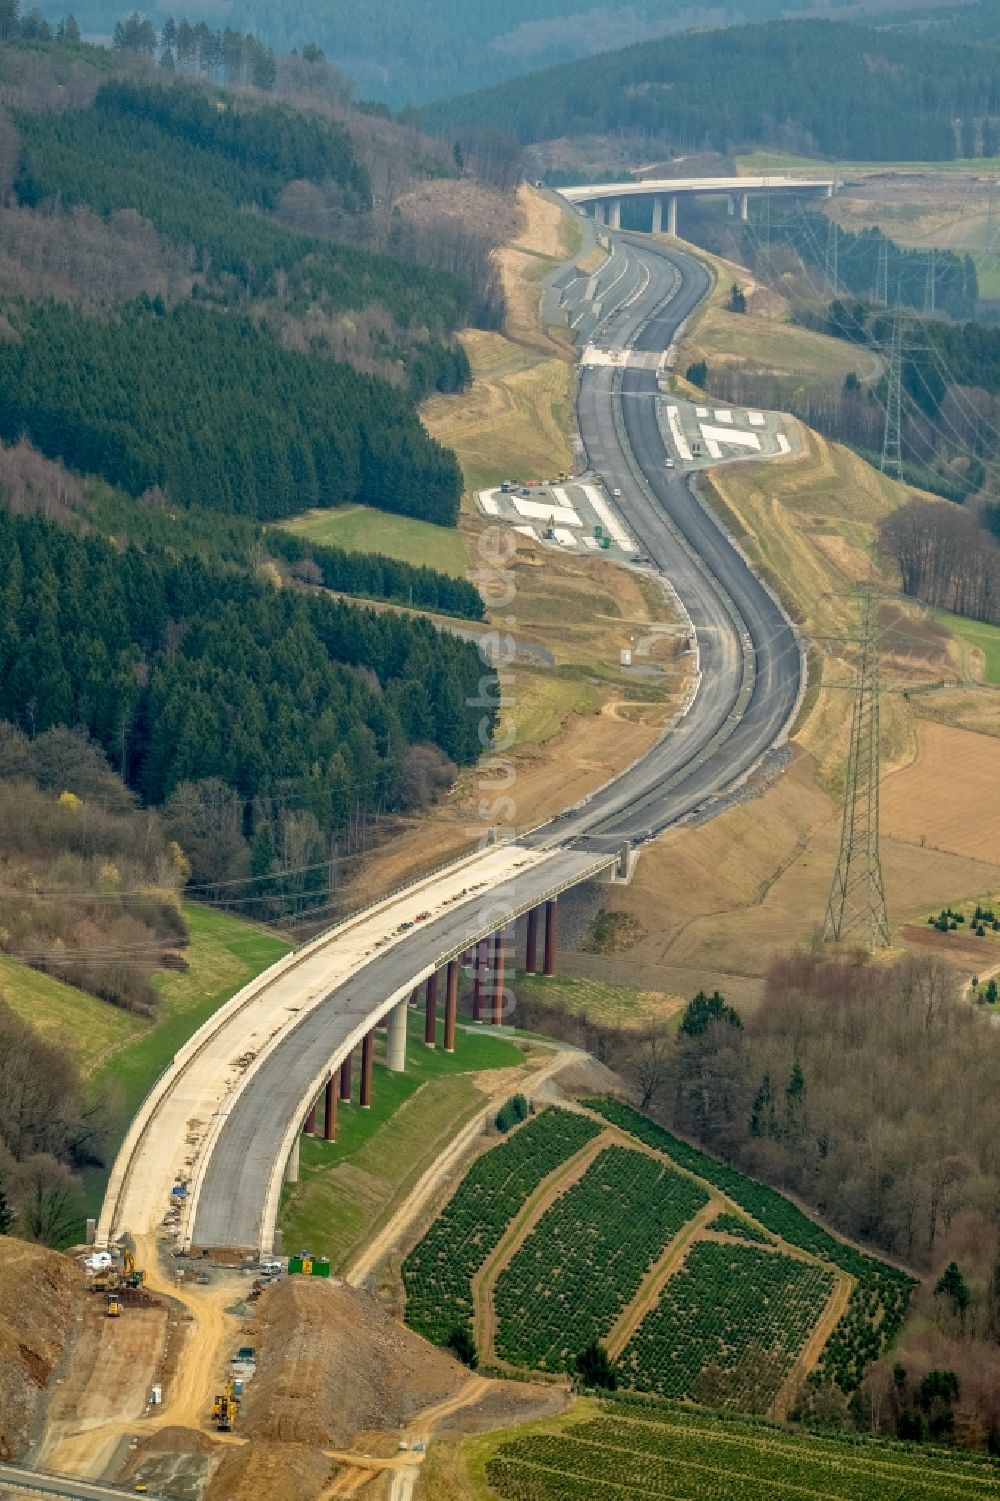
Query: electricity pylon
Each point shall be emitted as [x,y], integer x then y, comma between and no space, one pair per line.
[930,284]
[882,272]
[831,270]
[892,450]
[857,896]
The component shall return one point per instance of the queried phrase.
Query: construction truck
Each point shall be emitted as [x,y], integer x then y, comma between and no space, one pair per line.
[225,1407]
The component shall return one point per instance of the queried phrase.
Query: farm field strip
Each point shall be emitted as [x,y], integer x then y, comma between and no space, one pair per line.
[438,1272]
[680,1460]
[588,1256]
[517,1232]
[665,1436]
[652,1288]
[881,1292]
[722,1302]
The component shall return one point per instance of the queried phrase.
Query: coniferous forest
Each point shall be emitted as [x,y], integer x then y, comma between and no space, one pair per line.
[818,87]
[183,672]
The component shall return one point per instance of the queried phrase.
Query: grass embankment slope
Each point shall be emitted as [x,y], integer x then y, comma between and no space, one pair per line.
[348,1188]
[717,901]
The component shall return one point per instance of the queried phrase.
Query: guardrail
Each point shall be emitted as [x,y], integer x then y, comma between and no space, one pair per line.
[129,1148]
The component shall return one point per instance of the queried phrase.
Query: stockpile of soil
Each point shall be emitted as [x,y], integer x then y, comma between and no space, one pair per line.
[279,1472]
[331,1363]
[40,1292]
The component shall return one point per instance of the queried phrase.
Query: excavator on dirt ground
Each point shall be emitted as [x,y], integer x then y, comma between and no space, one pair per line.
[225,1407]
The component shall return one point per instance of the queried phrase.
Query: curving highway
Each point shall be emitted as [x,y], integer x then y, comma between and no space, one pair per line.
[749,653]
[228,1112]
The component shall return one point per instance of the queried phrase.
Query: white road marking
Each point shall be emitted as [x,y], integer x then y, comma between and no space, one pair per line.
[756,419]
[730,435]
[680,442]
[724,416]
[783,444]
[606,515]
[489,503]
[535,510]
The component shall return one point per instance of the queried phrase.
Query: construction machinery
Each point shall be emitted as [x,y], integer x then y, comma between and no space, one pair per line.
[131,1275]
[114,1307]
[225,1407]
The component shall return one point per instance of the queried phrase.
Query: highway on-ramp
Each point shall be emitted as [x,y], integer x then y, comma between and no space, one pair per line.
[225,1116]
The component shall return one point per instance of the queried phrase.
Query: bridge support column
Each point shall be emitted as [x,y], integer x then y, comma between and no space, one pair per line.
[430,1011]
[499,959]
[531,943]
[309,1129]
[551,931]
[346,1069]
[730,205]
[395,1045]
[672,214]
[657,215]
[744,206]
[330,1109]
[615,213]
[478,979]
[367,1061]
[292,1165]
[450,1005]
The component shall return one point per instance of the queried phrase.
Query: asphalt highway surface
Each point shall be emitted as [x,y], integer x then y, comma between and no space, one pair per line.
[749,655]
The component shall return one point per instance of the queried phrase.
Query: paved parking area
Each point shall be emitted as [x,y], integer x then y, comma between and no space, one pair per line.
[577,515]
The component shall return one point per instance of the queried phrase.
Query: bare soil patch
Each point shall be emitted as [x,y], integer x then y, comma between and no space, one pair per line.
[331,1363]
[949,798]
[281,1472]
[40,1293]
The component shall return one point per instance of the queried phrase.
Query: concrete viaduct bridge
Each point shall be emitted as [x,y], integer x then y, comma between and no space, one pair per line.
[219,1132]
[604,200]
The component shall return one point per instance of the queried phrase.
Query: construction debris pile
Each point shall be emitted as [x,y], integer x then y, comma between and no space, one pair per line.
[331,1363]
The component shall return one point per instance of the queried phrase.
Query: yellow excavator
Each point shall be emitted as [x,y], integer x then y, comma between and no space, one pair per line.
[130,1276]
[225,1407]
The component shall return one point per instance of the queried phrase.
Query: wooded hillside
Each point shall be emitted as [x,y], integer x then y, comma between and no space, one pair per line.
[816,87]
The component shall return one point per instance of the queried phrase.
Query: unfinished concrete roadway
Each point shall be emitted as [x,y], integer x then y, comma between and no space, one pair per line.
[15,1480]
[228,1112]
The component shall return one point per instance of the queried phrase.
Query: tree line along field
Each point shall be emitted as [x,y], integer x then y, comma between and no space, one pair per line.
[732,1316]
[654,1450]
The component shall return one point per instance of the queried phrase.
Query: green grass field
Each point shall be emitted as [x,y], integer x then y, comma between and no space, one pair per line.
[619,1452]
[348,1187]
[361,529]
[609,1005]
[985,638]
[90,1028]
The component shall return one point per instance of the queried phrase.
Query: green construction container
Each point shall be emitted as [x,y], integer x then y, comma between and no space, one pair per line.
[605,543]
[321,1268]
[294,1264]
[598,529]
